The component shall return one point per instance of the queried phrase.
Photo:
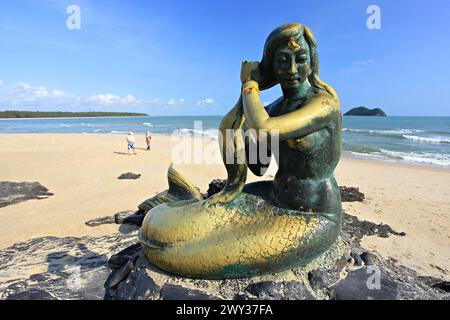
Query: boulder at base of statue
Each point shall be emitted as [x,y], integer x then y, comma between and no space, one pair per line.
[367,283]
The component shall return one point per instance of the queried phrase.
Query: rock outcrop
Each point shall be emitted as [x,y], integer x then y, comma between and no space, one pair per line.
[114,267]
[129,176]
[16,192]
[363,111]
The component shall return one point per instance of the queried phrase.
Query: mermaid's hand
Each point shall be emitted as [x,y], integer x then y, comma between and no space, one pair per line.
[249,71]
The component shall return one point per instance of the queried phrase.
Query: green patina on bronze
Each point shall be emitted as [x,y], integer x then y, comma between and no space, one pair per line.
[269,226]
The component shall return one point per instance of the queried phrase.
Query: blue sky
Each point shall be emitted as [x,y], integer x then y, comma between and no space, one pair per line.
[183,57]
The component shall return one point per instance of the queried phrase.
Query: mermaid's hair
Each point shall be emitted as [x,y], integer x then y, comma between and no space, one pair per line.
[280,36]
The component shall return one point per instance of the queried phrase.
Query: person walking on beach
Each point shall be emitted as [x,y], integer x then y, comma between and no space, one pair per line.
[148,139]
[130,142]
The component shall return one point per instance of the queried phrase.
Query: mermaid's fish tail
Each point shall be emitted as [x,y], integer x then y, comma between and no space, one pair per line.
[180,188]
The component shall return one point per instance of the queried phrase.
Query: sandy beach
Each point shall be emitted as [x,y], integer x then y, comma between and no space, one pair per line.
[82,169]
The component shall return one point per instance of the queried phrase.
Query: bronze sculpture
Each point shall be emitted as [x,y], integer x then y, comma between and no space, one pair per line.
[269,226]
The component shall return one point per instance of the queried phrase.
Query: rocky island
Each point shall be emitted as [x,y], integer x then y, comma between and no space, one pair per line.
[363,111]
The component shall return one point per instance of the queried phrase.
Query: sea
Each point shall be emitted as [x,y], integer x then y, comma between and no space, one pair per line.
[420,140]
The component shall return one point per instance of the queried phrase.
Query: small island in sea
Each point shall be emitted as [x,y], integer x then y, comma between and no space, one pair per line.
[13,114]
[363,111]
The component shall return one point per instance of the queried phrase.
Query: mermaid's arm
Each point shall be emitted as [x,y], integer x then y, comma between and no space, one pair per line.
[320,112]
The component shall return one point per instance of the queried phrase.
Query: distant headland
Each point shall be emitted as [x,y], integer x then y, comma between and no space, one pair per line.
[363,111]
[13,114]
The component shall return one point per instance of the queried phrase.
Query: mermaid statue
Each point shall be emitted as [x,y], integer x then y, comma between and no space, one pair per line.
[263,227]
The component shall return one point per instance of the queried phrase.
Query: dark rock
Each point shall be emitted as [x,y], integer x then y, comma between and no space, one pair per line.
[351,194]
[16,192]
[356,258]
[175,292]
[76,268]
[118,218]
[121,258]
[32,294]
[341,263]
[121,216]
[39,277]
[287,290]
[100,221]
[363,111]
[129,176]
[216,186]
[122,273]
[318,279]
[134,219]
[296,291]
[138,286]
[428,280]
[357,228]
[367,283]
[367,257]
[444,285]
[264,290]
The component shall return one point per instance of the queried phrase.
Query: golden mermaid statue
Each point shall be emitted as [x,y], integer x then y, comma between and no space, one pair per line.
[269,226]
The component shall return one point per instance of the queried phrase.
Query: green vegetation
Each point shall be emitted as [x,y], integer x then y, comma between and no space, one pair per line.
[363,111]
[62,114]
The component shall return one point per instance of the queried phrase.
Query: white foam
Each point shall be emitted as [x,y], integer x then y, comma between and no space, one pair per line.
[390,131]
[438,159]
[212,133]
[395,156]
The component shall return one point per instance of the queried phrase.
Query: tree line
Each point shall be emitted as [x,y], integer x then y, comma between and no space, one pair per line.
[63,114]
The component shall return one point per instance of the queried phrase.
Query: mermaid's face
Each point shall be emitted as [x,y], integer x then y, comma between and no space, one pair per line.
[292,63]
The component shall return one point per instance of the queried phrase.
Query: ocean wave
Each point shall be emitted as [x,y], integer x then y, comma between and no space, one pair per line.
[116,132]
[87,125]
[385,132]
[148,124]
[439,159]
[374,156]
[411,157]
[432,139]
[212,133]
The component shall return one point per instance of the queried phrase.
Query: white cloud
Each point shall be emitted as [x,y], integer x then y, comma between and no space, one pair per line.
[24,96]
[1,83]
[172,102]
[59,93]
[206,102]
[40,92]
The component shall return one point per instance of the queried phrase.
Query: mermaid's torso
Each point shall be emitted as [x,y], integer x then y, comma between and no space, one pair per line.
[304,180]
